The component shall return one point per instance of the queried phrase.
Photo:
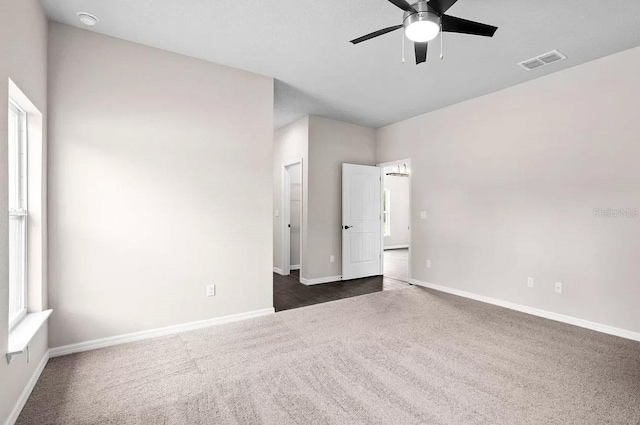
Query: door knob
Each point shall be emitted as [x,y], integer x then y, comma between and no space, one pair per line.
[347,227]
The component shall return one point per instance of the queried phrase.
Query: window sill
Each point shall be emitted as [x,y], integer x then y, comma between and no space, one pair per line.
[21,335]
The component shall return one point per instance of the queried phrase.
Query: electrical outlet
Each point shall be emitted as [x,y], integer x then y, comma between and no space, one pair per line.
[211,290]
[428,264]
[332,259]
[559,287]
[423,215]
[530,282]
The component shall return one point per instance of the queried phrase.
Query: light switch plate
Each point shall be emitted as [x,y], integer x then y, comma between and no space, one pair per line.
[211,290]
[423,215]
[277,213]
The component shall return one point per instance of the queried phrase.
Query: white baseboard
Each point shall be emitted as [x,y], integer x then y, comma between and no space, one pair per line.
[386,248]
[280,272]
[153,333]
[26,392]
[320,280]
[623,333]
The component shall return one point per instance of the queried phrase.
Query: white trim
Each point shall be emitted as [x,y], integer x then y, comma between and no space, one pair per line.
[21,210]
[320,280]
[26,392]
[277,270]
[286,214]
[396,247]
[284,222]
[623,333]
[293,162]
[295,267]
[16,320]
[390,163]
[153,333]
[21,335]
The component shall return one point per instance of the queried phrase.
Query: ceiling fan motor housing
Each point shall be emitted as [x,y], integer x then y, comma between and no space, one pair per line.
[425,13]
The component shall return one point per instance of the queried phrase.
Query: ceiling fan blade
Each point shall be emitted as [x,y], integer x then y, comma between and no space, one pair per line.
[441,6]
[462,26]
[404,5]
[421,52]
[375,34]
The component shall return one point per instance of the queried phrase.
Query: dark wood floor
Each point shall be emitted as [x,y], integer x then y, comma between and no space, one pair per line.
[289,293]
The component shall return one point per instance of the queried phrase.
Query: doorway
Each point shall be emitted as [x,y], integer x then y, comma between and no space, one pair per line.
[292,218]
[396,220]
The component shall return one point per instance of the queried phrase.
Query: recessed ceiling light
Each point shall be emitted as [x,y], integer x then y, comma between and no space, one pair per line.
[88,19]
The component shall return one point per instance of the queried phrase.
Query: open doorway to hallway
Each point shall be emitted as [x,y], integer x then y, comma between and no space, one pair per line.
[292,219]
[320,278]
[396,220]
[290,291]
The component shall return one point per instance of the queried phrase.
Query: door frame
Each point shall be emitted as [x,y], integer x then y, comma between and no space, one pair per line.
[388,164]
[286,215]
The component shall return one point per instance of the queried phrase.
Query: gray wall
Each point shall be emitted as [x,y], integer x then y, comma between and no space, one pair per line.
[23,58]
[153,170]
[291,143]
[331,143]
[510,182]
[399,212]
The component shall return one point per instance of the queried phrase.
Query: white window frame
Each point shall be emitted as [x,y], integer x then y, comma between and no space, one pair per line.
[18,211]
[386,212]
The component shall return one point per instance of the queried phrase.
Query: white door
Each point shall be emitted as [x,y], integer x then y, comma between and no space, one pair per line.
[361,221]
[291,217]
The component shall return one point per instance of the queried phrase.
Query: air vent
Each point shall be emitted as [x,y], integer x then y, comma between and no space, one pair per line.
[532,64]
[542,60]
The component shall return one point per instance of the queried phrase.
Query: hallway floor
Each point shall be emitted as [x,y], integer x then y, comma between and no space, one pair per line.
[396,264]
[289,293]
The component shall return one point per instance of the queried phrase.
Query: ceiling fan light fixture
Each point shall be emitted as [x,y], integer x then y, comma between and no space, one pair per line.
[422,26]
[422,31]
[425,19]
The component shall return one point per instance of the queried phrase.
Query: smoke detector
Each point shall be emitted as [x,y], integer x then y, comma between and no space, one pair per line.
[542,60]
[88,19]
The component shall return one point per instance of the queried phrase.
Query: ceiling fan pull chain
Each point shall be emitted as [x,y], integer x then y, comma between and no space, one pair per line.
[441,35]
[403,47]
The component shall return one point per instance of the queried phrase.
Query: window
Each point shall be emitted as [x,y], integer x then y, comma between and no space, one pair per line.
[18,215]
[386,208]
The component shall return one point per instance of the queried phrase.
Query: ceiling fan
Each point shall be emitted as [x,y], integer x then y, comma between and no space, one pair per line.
[424,20]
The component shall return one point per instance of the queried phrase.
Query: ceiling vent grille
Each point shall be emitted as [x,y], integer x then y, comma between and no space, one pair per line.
[542,60]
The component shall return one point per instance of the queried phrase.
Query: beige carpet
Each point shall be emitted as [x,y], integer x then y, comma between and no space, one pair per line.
[411,356]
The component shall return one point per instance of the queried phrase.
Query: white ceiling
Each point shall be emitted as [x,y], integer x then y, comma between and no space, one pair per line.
[305,46]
